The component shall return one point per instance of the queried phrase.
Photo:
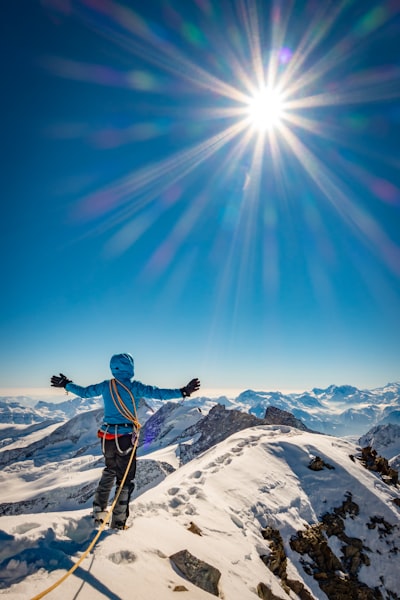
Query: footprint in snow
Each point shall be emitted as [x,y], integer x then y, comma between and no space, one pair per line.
[25,527]
[121,557]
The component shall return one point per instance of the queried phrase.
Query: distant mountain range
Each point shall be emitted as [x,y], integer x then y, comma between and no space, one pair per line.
[337,410]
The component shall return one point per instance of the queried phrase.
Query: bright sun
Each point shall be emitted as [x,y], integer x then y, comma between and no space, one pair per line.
[265,109]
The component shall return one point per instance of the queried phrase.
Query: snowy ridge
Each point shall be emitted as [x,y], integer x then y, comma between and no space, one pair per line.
[256,479]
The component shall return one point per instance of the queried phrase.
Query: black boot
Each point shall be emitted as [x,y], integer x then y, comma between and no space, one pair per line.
[121,509]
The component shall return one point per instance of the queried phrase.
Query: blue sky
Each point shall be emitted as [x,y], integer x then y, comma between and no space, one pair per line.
[143,212]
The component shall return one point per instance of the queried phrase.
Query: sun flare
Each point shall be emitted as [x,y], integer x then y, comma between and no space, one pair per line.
[265,109]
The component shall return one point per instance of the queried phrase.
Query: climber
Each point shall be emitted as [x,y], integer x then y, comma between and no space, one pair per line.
[119,429]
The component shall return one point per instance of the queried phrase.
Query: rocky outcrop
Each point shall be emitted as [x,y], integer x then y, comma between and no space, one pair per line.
[317,464]
[327,569]
[149,473]
[373,462]
[264,592]
[384,438]
[276,561]
[214,428]
[276,416]
[220,423]
[197,571]
[338,576]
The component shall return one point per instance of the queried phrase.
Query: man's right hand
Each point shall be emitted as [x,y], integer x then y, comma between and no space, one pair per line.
[59,381]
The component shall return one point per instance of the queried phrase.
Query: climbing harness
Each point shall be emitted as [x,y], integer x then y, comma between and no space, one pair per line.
[123,409]
[105,435]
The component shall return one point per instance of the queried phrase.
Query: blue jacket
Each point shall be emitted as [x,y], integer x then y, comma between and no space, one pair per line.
[122,368]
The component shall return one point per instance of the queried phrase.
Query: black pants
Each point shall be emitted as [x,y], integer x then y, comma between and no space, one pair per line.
[116,465]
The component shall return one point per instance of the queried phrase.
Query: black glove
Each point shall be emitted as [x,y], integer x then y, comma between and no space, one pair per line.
[60,381]
[191,387]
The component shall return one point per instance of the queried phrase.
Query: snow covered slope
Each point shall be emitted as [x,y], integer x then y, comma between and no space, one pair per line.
[338,527]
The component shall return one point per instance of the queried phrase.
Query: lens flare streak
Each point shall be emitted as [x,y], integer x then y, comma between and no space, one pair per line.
[311,78]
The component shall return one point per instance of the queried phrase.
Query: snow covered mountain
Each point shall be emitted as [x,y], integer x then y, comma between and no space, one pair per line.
[249,513]
[13,411]
[24,410]
[385,439]
[338,410]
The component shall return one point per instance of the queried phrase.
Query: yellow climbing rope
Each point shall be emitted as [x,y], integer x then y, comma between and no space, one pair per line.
[115,396]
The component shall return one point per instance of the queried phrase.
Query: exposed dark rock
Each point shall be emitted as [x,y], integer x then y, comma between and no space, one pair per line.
[384,527]
[276,416]
[312,541]
[373,462]
[197,571]
[220,423]
[214,428]
[264,592]
[317,464]
[277,563]
[299,589]
[338,578]
[348,507]
[327,569]
[193,528]
[180,588]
